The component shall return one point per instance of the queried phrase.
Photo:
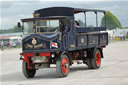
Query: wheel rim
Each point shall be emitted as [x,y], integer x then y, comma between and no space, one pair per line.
[98,59]
[65,65]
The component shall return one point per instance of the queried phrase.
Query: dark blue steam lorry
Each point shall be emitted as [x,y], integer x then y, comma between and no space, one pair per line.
[53,36]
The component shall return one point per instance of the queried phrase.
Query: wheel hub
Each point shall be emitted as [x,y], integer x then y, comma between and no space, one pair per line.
[65,65]
[98,59]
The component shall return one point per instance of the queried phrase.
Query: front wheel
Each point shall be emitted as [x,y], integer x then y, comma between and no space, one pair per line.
[62,65]
[28,73]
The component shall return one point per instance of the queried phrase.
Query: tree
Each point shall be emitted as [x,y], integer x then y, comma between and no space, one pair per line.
[111,21]
[16,29]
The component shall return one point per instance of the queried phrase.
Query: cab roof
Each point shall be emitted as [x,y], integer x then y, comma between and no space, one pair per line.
[63,11]
[58,13]
[44,18]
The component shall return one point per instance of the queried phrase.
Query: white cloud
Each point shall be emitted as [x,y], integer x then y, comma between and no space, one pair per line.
[11,21]
[13,11]
[82,0]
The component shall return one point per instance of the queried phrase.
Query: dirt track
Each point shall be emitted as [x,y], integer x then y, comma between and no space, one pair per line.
[113,71]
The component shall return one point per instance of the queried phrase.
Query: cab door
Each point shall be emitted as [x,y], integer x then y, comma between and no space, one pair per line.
[72,37]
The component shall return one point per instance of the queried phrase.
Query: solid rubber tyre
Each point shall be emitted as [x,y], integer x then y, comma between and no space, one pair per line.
[96,59]
[89,56]
[28,73]
[89,63]
[62,65]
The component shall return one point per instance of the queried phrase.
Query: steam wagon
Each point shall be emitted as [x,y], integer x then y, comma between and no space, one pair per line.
[53,36]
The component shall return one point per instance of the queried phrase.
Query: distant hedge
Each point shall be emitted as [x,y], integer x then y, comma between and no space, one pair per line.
[12,30]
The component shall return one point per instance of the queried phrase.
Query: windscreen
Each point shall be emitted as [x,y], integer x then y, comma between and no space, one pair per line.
[28,27]
[44,26]
[41,26]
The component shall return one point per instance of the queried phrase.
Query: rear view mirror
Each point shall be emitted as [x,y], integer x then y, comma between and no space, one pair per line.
[19,25]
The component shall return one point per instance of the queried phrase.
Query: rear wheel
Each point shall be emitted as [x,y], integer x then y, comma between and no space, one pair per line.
[89,56]
[94,59]
[62,65]
[89,63]
[28,73]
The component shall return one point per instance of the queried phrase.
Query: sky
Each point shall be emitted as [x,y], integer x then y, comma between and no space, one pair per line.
[13,11]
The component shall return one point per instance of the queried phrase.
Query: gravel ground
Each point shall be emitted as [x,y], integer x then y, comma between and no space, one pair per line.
[113,71]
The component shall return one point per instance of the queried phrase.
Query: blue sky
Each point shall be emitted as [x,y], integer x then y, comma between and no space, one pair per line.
[13,11]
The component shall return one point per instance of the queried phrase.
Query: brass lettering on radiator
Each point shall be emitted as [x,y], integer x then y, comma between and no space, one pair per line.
[42,45]
[28,46]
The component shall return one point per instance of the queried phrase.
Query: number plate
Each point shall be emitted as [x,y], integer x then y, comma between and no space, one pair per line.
[39,59]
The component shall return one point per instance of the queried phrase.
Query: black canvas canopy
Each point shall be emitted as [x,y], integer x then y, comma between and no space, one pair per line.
[62,11]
